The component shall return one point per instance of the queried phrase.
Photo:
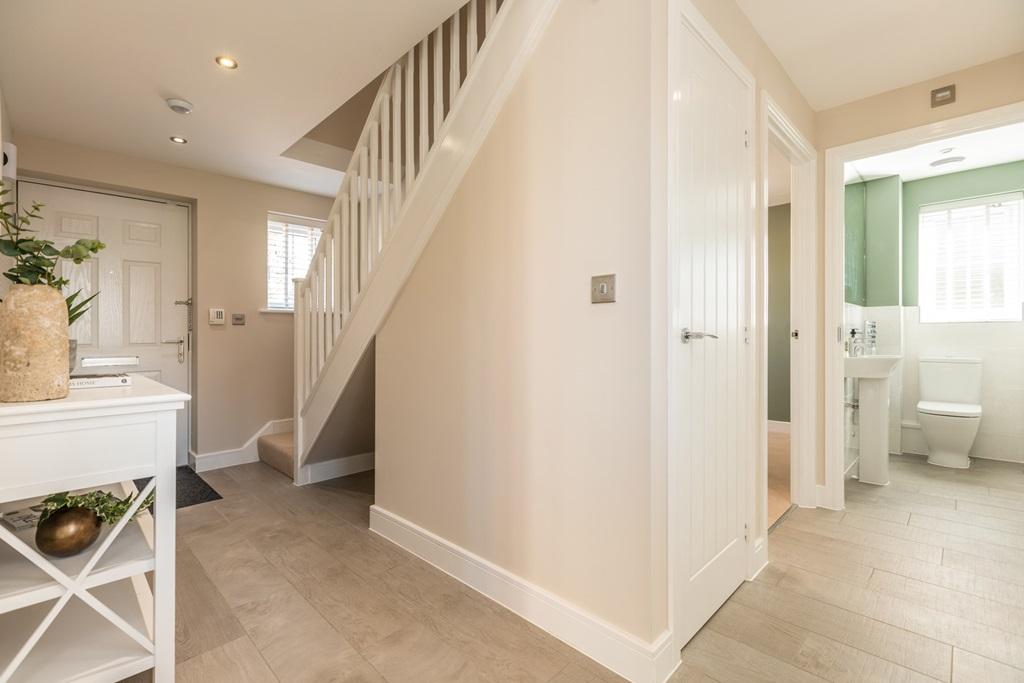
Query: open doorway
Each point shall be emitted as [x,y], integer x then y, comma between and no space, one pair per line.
[779,364]
[787,319]
[922,382]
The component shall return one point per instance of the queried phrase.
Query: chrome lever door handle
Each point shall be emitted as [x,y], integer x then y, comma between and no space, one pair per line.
[689,334]
[180,341]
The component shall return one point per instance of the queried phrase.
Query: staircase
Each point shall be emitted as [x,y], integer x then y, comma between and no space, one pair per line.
[431,114]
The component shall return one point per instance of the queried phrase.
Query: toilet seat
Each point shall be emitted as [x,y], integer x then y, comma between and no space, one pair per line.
[949,409]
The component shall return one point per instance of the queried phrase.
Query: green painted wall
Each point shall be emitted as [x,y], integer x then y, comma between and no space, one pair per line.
[882,237]
[778,313]
[856,285]
[948,188]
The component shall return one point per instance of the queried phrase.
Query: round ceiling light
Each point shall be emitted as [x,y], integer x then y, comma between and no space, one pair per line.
[226,62]
[178,140]
[947,150]
[179,106]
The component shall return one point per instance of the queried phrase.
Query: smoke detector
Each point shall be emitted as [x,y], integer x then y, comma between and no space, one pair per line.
[179,106]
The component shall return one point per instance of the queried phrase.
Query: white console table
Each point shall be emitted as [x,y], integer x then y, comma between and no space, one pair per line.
[93,617]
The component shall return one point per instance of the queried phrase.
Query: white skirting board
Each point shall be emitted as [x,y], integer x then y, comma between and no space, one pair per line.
[625,654]
[313,472]
[204,462]
[778,426]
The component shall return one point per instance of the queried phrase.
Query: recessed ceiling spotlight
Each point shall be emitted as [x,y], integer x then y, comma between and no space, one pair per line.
[178,140]
[226,62]
[947,150]
[946,160]
[179,106]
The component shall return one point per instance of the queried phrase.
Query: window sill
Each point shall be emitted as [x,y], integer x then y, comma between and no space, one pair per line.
[277,310]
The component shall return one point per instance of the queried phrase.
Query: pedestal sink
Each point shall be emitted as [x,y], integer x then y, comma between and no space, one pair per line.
[873,373]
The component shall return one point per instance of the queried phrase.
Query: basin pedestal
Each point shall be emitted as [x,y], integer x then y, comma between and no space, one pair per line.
[873,373]
[873,467]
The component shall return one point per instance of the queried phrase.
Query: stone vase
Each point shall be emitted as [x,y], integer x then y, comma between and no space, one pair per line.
[33,344]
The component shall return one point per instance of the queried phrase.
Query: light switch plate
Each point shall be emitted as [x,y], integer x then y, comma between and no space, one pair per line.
[238,318]
[602,289]
[216,316]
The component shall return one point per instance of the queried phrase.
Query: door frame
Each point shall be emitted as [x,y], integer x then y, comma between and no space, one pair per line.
[684,16]
[190,208]
[832,494]
[776,127]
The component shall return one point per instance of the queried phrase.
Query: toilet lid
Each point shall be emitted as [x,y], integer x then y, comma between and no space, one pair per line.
[949,409]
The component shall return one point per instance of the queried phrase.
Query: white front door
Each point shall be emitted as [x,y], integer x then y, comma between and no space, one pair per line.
[134,325]
[712,369]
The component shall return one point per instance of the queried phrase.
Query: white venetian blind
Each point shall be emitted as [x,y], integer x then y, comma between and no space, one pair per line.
[970,259]
[291,242]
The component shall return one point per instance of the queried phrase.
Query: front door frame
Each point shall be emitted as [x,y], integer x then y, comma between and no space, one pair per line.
[835,276]
[683,15]
[190,207]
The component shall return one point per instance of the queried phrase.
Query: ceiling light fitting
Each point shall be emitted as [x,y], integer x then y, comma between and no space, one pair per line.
[226,62]
[179,106]
[178,140]
[947,160]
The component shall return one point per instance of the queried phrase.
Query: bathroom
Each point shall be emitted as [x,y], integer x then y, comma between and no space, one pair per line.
[933,330]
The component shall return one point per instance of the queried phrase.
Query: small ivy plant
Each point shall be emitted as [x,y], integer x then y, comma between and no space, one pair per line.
[35,260]
[108,507]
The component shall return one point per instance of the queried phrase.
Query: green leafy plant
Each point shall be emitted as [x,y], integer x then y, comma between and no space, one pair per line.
[35,260]
[108,507]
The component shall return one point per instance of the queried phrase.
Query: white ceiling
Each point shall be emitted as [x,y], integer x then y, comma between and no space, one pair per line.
[979,149]
[837,52]
[96,73]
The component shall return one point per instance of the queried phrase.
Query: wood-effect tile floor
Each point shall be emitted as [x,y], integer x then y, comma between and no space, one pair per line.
[280,583]
[922,580]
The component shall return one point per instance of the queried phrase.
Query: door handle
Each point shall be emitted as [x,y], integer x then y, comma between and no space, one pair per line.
[689,334]
[180,341]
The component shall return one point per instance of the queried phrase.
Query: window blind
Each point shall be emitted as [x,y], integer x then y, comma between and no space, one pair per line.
[291,242]
[971,254]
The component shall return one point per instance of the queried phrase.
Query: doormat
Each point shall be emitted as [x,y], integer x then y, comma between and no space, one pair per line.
[191,488]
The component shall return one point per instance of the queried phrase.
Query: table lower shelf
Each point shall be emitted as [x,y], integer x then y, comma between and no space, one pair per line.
[81,645]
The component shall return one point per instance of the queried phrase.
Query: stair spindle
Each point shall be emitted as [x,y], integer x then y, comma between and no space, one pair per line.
[471,36]
[410,121]
[424,85]
[454,65]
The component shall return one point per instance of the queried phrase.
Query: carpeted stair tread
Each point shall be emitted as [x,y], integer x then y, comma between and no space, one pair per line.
[278,451]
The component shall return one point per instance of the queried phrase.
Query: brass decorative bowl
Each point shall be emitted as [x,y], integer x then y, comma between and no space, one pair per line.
[68,532]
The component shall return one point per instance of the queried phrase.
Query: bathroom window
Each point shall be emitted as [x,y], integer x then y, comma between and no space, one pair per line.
[972,260]
[291,242]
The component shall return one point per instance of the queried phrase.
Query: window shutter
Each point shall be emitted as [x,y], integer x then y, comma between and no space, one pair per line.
[291,243]
[972,259]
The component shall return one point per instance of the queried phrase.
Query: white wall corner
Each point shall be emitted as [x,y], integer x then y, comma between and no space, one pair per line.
[621,652]
[204,462]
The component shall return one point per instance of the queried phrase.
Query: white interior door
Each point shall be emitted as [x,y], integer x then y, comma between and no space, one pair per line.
[713,380]
[134,325]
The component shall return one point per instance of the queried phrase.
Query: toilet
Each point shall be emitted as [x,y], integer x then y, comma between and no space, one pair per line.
[950,408]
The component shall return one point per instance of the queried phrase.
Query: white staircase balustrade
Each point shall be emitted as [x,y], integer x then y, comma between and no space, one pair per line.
[431,113]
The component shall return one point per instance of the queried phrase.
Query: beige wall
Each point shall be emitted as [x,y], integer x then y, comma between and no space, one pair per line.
[513,415]
[514,418]
[978,88]
[244,374]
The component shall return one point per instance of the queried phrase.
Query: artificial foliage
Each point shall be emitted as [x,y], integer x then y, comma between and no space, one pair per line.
[35,260]
[108,507]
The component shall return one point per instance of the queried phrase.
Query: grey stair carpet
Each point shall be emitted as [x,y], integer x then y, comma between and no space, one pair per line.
[278,451]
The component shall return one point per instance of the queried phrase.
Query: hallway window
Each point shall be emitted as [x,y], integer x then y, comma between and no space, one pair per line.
[971,255]
[291,241]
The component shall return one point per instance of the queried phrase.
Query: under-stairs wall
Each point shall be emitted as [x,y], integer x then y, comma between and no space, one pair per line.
[513,416]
